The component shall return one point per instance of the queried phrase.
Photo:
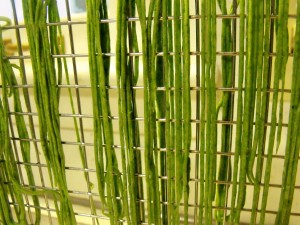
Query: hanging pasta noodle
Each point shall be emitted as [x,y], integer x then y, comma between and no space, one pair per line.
[293,138]
[226,103]
[46,96]
[279,74]
[8,169]
[110,182]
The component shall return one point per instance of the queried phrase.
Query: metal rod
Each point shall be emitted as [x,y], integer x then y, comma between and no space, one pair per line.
[138,148]
[136,19]
[192,53]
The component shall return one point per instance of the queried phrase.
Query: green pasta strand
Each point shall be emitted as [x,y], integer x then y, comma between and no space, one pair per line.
[6,152]
[293,143]
[133,67]
[149,43]
[168,164]
[103,126]
[280,63]
[178,109]
[121,69]
[261,106]
[141,8]
[9,76]
[249,104]
[186,104]
[99,160]
[47,101]
[10,168]
[161,113]
[224,172]
[23,134]
[211,126]
[238,140]
[202,197]
[154,181]
[128,126]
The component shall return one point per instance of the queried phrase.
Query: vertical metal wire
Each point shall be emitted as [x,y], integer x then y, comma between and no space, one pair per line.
[72,45]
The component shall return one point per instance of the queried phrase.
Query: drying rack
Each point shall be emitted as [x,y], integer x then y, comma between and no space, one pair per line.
[83,199]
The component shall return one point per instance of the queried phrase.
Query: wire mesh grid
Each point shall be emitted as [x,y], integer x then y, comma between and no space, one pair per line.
[81,176]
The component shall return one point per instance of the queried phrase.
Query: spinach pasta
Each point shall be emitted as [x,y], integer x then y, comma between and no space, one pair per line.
[161,112]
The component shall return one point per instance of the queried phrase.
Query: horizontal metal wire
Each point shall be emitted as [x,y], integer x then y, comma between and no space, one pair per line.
[140,175]
[145,223]
[161,120]
[192,53]
[136,19]
[54,210]
[138,148]
[161,202]
[120,198]
[192,88]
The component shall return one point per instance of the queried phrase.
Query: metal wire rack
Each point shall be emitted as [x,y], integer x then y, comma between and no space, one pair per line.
[83,195]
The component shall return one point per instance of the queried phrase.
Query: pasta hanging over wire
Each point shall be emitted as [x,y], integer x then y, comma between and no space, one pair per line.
[47,95]
[146,179]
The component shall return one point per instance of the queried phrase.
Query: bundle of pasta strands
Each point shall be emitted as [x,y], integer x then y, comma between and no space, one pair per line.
[46,97]
[109,180]
[9,170]
[127,71]
[293,141]
[177,104]
[208,130]
[9,174]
